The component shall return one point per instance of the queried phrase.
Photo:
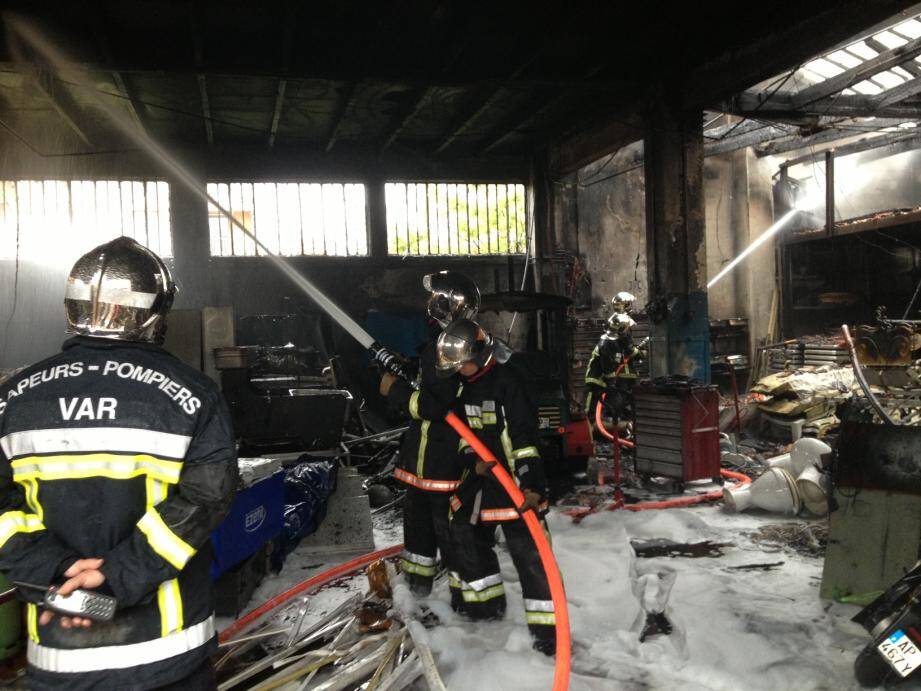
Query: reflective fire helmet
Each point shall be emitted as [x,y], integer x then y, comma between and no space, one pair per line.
[119,290]
[454,296]
[623,302]
[463,341]
[619,324]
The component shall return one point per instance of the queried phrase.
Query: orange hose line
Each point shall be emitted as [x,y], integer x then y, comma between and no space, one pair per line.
[677,502]
[558,593]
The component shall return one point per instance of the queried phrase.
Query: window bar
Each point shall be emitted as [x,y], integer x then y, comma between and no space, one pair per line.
[300,218]
[492,205]
[475,228]
[281,247]
[444,234]
[512,239]
[431,196]
[406,192]
[345,221]
[423,189]
[467,213]
[431,217]
[453,235]
[471,238]
[483,223]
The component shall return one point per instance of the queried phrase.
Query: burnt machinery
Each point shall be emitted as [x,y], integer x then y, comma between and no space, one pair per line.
[281,386]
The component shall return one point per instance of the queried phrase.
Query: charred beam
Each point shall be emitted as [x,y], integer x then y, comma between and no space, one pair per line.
[884,61]
[416,103]
[483,106]
[60,101]
[276,112]
[135,107]
[345,105]
[904,142]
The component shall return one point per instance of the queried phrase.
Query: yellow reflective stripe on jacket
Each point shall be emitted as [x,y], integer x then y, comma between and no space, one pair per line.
[595,381]
[114,466]
[525,452]
[462,444]
[169,599]
[31,489]
[157,491]
[164,541]
[32,622]
[13,522]
[423,445]
[414,406]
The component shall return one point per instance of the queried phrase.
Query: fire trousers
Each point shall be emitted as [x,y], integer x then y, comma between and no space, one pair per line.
[477,575]
[426,533]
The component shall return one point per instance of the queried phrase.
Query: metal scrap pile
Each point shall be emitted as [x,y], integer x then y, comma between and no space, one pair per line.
[364,643]
[809,539]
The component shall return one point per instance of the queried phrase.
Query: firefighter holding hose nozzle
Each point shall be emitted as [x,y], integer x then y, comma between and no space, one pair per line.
[494,404]
[427,462]
[609,368]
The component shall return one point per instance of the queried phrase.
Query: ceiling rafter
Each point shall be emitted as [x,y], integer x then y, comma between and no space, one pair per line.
[286,42]
[345,105]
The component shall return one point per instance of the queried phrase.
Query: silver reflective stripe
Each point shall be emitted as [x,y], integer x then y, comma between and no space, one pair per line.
[473,410]
[111,439]
[486,581]
[418,558]
[74,661]
[538,605]
[110,294]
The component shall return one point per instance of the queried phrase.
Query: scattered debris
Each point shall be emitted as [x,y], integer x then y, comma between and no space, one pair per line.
[808,539]
[767,566]
[660,547]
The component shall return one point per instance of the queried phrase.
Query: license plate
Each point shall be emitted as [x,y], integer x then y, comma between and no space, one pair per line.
[543,422]
[901,652]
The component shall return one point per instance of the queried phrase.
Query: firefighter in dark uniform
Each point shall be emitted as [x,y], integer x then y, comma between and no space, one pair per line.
[494,403]
[609,369]
[428,453]
[116,463]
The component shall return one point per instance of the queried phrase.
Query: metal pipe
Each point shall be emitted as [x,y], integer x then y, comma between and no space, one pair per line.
[858,373]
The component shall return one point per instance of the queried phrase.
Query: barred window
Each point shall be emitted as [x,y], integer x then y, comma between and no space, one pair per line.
[290,219]
[70,217]
[455,219]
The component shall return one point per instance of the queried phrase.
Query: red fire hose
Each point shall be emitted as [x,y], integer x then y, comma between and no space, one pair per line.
[560,609]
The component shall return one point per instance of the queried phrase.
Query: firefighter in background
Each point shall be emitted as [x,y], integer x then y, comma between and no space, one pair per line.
[428,453]
[493,402]
[117,461]
[609,368]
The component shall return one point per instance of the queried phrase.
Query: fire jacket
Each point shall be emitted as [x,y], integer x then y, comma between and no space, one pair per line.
[607,357]
[117,451]
[428,453]
[495,406]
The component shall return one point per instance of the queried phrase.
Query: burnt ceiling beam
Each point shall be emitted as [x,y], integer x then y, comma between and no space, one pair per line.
[447,81]
[534,112]
[480,107]
[199,50]
[781,50]
[750,104]
[906,142]
[60,101]
[793,143]
[276,111]
[290,21]
[416,103]
[135,107]
[833,85]
[345,105]
[899,93]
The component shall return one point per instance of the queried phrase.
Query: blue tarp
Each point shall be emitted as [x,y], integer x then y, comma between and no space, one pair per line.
[308,486]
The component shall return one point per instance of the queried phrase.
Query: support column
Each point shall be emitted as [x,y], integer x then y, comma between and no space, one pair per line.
[377,217]
[676,248]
